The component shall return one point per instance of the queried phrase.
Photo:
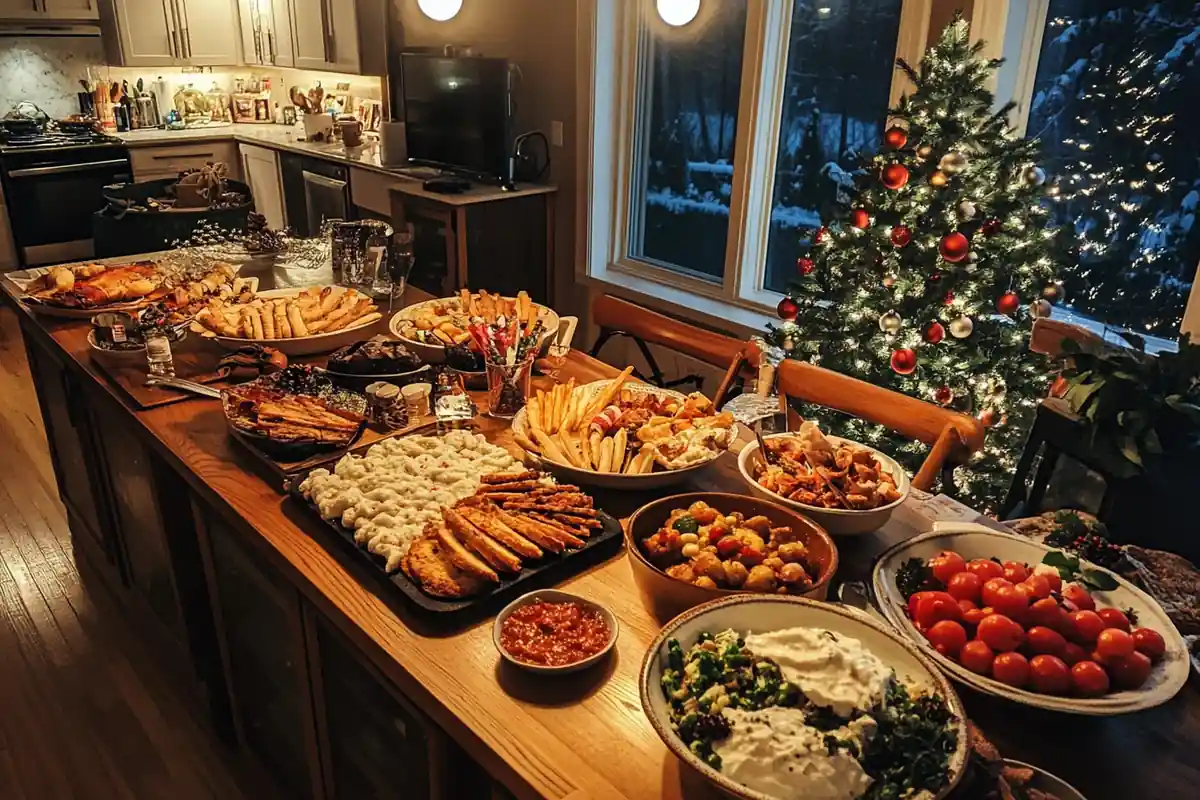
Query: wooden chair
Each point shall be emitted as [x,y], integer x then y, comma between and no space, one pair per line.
[617,317]
[953,436]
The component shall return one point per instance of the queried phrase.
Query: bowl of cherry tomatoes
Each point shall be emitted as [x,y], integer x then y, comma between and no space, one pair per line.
[1065,635]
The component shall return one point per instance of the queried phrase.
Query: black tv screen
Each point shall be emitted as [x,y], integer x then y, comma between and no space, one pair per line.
[456,112]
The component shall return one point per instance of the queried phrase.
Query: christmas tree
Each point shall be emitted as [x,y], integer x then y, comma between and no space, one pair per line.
[1117,89]
[928,282]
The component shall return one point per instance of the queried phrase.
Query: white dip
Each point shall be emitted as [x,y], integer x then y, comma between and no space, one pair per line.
[774,752]
[831,669]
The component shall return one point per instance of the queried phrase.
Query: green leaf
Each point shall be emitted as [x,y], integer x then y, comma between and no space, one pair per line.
[1101,581]
[1129,448]
[1151,442]
[1061,560]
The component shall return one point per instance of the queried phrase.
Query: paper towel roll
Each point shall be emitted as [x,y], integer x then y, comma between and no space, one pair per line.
[393,147]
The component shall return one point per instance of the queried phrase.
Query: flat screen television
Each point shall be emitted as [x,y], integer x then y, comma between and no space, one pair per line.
[456,113]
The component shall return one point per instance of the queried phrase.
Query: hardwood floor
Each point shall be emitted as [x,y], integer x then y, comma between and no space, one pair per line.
[85,710]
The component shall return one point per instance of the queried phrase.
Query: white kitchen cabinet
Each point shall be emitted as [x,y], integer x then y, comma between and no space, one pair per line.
[310,33]
[168,160]
[155,33]
[266,32]
[260,169]
[340,35]
[82,10]
[208,32]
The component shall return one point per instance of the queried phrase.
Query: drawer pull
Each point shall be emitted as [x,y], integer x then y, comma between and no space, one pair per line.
[184,155]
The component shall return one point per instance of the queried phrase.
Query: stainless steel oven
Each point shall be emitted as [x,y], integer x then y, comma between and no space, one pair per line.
[53,191]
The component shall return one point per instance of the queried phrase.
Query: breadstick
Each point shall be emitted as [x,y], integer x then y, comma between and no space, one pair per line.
[326,303]
[247,327]
[585,451]
[356,312]
[606,456]
[283,328]
[256,325]
[566,445]
[533,414]
[268,320]
[550,450]
[296,321]
[525,443]
[606,397]
[343,311]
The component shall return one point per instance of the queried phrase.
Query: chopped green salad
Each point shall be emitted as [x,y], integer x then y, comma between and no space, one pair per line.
[903,743]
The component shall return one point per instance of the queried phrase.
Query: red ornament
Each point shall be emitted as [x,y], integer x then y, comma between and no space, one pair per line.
[934,332]
[804,265]
[821,236]
[943,395]
[860,219]
[901,236]
[949,298]
[895,137]
[904,361]
[988,417]
[954,247]
[1008,303]
[894,175]
[787,308]
[990,227]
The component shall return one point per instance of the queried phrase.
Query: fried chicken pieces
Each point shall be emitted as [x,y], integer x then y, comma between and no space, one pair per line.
[513,518]
[812,470]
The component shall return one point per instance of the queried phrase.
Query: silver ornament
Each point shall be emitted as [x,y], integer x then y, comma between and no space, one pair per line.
[891,322]
[961,327]
[1034,176]
[966,210]
[953,163]
[1053,190]
[1040,309]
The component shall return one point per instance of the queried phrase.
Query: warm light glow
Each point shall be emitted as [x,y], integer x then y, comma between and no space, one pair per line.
[440,10]
[678,12]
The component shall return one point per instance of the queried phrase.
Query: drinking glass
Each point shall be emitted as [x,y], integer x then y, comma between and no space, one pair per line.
[392,281]
[508,387]
[360,251]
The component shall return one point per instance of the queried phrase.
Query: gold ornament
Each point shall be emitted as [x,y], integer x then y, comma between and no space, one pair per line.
[938,179]
[953,163]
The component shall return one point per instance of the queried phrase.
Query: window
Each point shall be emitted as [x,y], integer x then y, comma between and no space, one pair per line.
[690,108]
[1114,105]
[835,102]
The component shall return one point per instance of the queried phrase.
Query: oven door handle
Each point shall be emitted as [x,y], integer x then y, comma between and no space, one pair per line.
[60,169]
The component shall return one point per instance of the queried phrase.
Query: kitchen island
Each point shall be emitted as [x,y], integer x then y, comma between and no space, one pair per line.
[339,690]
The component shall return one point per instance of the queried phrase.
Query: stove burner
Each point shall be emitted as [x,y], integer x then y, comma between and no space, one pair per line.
[24,133]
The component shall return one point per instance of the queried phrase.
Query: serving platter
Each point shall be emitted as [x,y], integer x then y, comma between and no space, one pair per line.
[298,345]
[975,541]
[22,278]
[546,571]
[436,353]
[764,613]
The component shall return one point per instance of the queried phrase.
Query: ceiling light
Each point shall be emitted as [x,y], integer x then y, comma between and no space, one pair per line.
[824,11]
[440,10]
[678,12]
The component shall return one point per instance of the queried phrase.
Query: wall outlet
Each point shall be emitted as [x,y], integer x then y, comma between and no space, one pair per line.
[556,133]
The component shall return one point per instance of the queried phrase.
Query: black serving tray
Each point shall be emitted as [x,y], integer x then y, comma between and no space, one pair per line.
[549,570]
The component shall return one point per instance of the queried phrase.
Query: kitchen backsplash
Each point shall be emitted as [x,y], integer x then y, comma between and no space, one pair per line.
[46,71]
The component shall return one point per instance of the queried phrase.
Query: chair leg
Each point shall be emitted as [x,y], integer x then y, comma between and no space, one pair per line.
[656,376]
[601,340]
[1017,490]
[1041,481]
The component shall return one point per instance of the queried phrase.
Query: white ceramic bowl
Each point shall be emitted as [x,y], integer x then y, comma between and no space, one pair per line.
[975,541]
[555,596]
[838,521]
[759,613]
[660,479]
[301,345]
[116,356]
[436,353]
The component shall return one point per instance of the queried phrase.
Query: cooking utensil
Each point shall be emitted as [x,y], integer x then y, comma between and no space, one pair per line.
[183,385]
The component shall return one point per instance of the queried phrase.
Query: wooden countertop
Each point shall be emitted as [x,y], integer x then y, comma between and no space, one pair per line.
[585,736]
[281,137]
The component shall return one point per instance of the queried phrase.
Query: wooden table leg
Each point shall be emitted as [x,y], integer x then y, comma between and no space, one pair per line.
[1017,491]
[1041,480]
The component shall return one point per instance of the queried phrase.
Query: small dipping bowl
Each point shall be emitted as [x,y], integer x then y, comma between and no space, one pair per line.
[112,328]
[554,596]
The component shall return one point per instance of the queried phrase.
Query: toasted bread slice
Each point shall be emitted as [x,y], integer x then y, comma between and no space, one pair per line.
[488,548]
[463,558]
[427,563]
[484,518]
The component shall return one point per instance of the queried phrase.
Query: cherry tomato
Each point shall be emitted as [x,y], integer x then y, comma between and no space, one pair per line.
[1049,674]
[1000,633]
[946,564]
[1088,626]
[913,601]
[750,556]
[935,607]
[977,657]
[728,547]
[1011,668]
[965,586]
[1073,654]
[991,588]
[1076,594]
[976,615]
[1114,618]
[985,569]
[1114,643]
[967,605]
[1089,679]
[1131,671]
[1038,586]
[947,637]
[1150,642]
[1045,611]
[1015,571]
[1051,575]
[1044,640]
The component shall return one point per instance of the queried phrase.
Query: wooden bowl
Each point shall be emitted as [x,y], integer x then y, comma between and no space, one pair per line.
[667,597]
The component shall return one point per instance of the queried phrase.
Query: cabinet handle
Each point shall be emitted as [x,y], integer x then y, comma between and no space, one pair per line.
[258,49]
[327,27]
[175,44]
[183,155]
[271,45]
[187,38]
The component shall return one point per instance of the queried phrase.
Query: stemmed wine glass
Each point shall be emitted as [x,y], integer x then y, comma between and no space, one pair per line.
[400,259]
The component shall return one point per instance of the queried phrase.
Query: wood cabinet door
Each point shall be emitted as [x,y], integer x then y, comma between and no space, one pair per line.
[70,9]
[148,33]
[20,9]
[374,744]
[71,449]
[210,31]
[263,638]
[310,34]
[343,28]
[260,168]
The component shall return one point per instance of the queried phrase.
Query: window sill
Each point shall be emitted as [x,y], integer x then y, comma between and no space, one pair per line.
[734,319]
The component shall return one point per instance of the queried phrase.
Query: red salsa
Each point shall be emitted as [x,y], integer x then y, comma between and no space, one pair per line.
[554,634]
